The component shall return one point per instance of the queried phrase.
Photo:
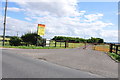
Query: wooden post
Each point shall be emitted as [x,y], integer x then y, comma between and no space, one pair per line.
[66,45]
[84,45]
[116,49]
[55,43]
[60,44]
[111,46]
[44,42]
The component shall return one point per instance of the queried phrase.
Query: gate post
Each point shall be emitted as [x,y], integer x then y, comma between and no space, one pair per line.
[55,43]
[116,49]
[66,44]
[111,46]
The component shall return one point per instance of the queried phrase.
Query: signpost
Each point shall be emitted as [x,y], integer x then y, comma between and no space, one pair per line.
[41,31]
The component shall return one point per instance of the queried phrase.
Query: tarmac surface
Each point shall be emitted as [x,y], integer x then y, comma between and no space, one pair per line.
[20,66]
[89,60]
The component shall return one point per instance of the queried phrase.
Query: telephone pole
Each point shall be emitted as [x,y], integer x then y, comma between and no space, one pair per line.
[4,23]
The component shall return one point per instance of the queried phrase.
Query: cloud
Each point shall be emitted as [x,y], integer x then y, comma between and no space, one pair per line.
[110,35]
[82,12]
[47,7]
[28,19]
[14,25]
[62,18]
[93,17]
[14,9]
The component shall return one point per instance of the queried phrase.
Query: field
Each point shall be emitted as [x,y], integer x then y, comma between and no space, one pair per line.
[62,44]
[5,38]
[104,48]
[6,42]
[75,45]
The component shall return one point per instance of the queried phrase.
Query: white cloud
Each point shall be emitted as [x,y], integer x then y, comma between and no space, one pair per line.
[61,17]
[82,12]
[26,18]
[54,7]
[14,9]
[110,35]
[93,17]
[14,25]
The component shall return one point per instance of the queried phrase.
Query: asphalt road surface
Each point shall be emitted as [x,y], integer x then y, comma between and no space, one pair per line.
[21,66]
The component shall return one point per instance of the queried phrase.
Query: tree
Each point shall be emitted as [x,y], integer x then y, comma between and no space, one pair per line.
[73,39]
[95,40]
[15,41]
[100,40]
[31,38]
[69,39]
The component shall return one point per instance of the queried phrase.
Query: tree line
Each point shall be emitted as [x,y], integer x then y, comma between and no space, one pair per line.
[72,39]
[34,39]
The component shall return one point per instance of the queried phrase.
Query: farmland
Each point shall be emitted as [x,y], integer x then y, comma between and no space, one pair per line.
[6,41]
[103,47]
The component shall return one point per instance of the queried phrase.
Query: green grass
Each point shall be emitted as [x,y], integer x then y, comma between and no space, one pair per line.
[39,47]
[59,45]
[5,38]
[75,45]
[6,43]
[114,56]
[33,47]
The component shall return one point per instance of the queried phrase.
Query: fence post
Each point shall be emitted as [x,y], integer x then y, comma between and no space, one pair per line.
[111,46]
[116,49]
[55,43]
[44,43]
[66,44]
[60,44]
[84,45]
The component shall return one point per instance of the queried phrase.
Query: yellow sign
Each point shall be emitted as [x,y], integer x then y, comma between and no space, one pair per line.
[41,29]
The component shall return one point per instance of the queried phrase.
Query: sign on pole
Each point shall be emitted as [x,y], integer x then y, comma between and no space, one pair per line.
[41,29]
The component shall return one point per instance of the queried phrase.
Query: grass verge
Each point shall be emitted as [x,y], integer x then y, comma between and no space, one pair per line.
[33,47]
[114,56]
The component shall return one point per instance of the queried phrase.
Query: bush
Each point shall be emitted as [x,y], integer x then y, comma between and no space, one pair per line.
[31,39]
[15,41]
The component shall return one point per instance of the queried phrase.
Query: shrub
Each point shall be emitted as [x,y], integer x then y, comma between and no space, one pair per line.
[15,41]
[31,38]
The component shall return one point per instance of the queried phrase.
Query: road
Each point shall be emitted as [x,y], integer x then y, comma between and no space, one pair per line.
[21,66]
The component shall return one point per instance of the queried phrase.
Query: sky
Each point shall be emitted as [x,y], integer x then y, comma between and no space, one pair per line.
[63,18]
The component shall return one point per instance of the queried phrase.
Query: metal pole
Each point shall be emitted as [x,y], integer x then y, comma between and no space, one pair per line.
[4,24]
